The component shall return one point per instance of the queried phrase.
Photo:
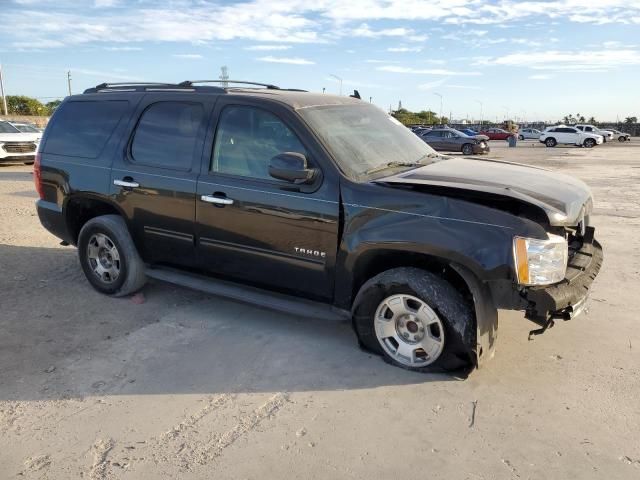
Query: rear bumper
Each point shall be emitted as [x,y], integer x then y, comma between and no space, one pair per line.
[565,300]
[52,219]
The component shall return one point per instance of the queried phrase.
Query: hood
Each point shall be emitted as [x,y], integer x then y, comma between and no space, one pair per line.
[564,199]
[19,137]
[480,137]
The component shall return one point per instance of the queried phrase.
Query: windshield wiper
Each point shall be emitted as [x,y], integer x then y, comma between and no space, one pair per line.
[394,164]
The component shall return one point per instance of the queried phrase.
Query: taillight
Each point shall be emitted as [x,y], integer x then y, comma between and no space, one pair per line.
[37,176]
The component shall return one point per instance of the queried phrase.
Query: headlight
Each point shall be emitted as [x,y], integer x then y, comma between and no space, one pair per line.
[540,262]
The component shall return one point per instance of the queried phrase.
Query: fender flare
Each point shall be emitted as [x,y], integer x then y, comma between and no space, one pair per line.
[486,315]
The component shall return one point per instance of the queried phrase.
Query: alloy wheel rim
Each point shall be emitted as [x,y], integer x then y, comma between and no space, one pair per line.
[409,330]
[103,258]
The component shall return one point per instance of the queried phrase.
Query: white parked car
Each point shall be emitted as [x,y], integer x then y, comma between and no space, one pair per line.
[606,134]
[17,146]
[563,135]
[620,136]
[529,134]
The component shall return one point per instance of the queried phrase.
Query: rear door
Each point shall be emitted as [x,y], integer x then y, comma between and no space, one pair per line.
[153,180]
[254,228]
[434,139]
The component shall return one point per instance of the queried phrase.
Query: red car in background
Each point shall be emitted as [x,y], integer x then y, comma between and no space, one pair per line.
[496,133]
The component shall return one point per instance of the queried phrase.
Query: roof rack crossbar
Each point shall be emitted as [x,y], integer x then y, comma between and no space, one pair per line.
[188,83]
[133,84]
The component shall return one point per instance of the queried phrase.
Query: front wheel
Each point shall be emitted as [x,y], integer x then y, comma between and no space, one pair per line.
[467,149]
[109,257]
[589,143]
[550,142]
[520,137]
[621,139]
[416,320]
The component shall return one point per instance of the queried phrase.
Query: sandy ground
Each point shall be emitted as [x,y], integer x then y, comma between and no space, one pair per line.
[194,387]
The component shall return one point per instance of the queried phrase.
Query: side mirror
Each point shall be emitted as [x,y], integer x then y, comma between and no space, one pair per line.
[291,167]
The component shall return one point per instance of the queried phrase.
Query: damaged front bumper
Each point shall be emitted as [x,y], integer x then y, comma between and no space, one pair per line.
[566,299]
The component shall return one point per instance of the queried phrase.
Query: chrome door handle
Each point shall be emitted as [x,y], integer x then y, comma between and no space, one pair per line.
[124,183]
[216,200]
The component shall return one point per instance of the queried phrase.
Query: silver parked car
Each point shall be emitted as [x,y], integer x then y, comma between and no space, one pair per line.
[529,134]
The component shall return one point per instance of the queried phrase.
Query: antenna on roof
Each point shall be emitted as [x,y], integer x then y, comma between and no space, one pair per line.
[224,76]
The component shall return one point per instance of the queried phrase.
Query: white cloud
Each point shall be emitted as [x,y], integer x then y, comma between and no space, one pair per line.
[431,85]
[465,87]
[578,60]
[426,71]
[289,60]
[123,49]
[268,47]
[188,56]
[404,49]
[540,76]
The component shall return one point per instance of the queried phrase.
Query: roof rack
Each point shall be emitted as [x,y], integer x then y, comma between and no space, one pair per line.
[189,83]
[144,87]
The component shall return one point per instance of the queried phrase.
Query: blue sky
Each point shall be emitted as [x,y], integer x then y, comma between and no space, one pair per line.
[527,59]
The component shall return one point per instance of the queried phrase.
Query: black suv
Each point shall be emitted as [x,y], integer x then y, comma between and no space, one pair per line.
[317,204]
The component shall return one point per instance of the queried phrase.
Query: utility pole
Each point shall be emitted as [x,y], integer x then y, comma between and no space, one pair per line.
[4,98]
[370,99]
[323,89]
[437,94]
[69,81]
[224,76]
[339,79]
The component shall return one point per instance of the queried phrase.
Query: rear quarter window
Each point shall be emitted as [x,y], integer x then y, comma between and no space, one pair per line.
[82,129]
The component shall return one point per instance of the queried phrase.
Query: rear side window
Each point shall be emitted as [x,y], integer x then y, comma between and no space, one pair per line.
[167,135]
[82,129]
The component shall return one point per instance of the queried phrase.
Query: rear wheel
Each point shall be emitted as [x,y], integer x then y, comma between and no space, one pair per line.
[467,149]
[415,320]
[109,257]
[589,143]
[550,142]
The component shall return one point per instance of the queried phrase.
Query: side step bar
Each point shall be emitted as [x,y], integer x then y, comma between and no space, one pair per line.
[246,294]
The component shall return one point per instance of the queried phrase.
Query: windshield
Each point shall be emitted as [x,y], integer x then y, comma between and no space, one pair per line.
[363,139]
[26,128]
[6,127]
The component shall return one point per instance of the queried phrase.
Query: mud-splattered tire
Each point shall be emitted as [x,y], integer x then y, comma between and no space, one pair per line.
[109,257]
[425,302]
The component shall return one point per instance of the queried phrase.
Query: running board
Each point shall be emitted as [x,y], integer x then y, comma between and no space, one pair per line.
[246,294]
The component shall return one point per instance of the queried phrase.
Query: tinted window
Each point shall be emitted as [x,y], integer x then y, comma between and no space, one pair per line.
[247,139]
[167,135]
[81,129]
[6,127]
[567,130]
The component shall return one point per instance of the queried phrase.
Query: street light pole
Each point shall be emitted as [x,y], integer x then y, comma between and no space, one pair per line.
[339,79]
[481,119]
[437,94]
[69,81]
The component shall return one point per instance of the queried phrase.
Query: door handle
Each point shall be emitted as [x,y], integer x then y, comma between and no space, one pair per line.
[126,183]
[216,199]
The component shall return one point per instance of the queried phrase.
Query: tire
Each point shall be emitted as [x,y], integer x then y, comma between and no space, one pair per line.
[589,143]
[29,163]
[550,142]
[520,137]
[109,257]
[452,334]
[622,139]
[467,149]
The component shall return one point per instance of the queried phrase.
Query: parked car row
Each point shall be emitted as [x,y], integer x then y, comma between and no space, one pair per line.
[451,140]
[16,144]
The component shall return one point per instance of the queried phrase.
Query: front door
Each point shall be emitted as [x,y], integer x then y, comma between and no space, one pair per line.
[154,181]
[257,229]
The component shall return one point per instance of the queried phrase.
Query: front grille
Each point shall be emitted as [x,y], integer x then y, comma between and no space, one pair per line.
[19,147]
